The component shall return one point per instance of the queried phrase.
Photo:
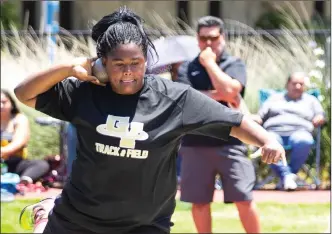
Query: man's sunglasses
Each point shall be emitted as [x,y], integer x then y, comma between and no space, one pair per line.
[206,38]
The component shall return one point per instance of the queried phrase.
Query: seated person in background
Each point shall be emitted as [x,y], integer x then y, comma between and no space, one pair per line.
[15,135]
[292,117]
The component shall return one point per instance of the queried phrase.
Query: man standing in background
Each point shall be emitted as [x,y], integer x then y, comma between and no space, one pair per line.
[223,78]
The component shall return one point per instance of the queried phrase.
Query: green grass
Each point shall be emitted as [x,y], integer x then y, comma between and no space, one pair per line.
[10,213]
[275,218]
[44,140]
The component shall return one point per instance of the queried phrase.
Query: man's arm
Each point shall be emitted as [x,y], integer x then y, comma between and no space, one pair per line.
[223,83]
[214,94]
[256,118]
[319,116]
[318,120]
[228,88]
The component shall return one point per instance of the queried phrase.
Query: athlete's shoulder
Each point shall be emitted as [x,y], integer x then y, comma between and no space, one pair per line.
[166,87]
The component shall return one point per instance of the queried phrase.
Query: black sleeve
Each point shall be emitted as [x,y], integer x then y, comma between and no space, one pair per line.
[60,101]
[237,70]
[204,116]
[183,74]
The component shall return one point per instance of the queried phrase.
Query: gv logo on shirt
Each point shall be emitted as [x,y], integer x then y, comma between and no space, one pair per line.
[120,127]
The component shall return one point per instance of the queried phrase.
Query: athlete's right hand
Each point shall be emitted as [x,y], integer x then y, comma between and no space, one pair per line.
[81,69]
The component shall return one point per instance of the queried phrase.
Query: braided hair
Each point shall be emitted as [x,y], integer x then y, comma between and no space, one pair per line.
[121,27]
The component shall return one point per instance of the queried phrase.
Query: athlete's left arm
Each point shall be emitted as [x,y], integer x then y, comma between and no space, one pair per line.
[204,116]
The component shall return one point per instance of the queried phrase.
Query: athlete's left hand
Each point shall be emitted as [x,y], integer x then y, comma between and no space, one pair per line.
[271,152]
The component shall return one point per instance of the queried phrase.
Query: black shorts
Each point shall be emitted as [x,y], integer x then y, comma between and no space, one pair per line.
[200,165]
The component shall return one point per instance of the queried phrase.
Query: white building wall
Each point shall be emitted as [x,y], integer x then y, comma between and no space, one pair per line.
[245,11]
[89,11]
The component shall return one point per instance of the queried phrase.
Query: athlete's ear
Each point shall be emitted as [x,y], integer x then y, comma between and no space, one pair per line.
[104,60]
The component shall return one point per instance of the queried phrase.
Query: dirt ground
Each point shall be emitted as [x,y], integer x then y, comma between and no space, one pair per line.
[309,196]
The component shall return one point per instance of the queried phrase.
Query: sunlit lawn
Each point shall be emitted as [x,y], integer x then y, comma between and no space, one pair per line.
[281,218]
[275,217]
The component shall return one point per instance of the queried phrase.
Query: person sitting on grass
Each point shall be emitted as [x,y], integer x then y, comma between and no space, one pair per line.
[15,134]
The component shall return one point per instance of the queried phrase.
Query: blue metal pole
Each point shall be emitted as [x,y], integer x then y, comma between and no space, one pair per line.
[52,25]
[68,136]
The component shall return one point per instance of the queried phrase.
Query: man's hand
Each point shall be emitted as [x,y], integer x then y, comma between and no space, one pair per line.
[234,102]
[318,120]
[207,56]
[257,119]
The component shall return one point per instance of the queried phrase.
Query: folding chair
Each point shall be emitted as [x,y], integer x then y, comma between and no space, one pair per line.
[264,94]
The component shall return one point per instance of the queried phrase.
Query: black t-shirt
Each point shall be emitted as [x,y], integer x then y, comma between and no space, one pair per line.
[194,74]
[125,174]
